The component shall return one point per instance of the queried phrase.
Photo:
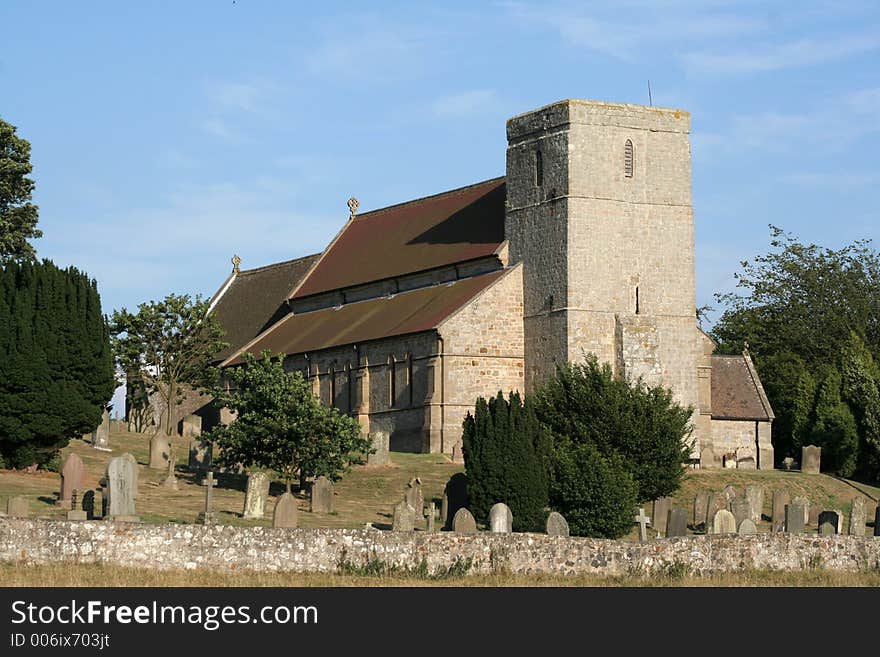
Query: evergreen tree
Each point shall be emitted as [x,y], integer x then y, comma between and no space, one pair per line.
[18,216]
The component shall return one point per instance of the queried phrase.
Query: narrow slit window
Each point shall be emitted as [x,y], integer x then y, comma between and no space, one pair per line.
[637,300]
[628,159]
[539,169]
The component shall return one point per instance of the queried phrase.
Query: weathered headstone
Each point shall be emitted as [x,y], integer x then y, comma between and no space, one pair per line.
[811,457]
[17,507]
[160,450]
[321,495]
[457,454]
[740,509]
[286,513]
[170,479]
[839,520]
[745,458]
[88,504]
[413,495]
[463,522]
[76,512]
[642,521]
[404,517]
[724,523]
[455,497]
[804,503]
[828,523]
[780,499]
[500,519]
[858,517]
[431,516]
[200,455]
[72,474]
[121,490]
[381,443]
[755,497]
[730,492]
[660,513]
[557,525]
[717,502]
[191,426]
[676,522]
[794,518]
[101,435]
[207,517]
[747,526]
[707,458]
[256,495]
[701,505]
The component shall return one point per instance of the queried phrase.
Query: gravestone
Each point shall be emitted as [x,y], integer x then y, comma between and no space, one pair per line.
[201,454]
[805,505]
[457,454]
[701,506]
[877,521]
[811,457]
[413,495]
[858,517]
[745,458]
[121,490]
[207,517]
[431,516]
[730,492]
[321,495]
[747,526]
[256,495]
[101,435]
[88,504]
[755,497]
[717,502]
[381,443]
[642,521]
[828,523]
[765,458]
[160,450]
[707,458]
[17,507]
[455,497]
[740,509]
[76,512]
[191,426]
[660,513]
[794,518]
[72,474]
[404,517]
[463,522]
[170,479]
[500,519]
[780,499]
[839,520]
[557,525]
[676,522]
[724,523]
[813,515]
[286,513]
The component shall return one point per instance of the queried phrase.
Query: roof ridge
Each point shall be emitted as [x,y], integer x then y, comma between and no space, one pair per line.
[276,264]
[449,192]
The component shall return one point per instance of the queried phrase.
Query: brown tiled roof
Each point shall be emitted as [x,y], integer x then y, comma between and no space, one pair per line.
[737,393]
[439,230]
[404,313]
[255,299]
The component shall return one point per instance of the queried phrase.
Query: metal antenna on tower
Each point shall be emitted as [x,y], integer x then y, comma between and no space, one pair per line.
[650,100]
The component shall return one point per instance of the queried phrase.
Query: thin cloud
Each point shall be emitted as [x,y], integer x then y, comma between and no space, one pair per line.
[219,128]
[251,97]
[466,104]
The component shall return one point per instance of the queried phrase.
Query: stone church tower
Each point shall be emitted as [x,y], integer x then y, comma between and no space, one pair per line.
[599,212]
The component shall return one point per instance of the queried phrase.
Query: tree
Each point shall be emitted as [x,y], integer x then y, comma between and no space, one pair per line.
[280,425]
[171,345]
[56,367]
[18,216]
[505,454]
[584,404]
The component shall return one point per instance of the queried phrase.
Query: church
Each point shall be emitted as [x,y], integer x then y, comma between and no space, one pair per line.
[585,245]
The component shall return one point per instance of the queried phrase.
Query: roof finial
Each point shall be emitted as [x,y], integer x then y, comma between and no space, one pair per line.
[236,263]
[353,205]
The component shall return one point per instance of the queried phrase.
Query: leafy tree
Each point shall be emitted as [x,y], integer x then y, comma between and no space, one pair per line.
[584,404]
[505,454]
[595,493]
[18,216]
[280,425]
[171,345]
[56,367]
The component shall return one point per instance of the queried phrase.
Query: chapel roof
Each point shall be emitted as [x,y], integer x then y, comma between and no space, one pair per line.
[435,231]
[251,300]
[737,393]
[414,311]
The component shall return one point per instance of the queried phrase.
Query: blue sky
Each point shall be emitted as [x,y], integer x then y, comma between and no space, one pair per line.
[169,135]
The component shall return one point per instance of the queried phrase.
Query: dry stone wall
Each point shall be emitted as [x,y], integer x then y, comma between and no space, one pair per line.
[226,548]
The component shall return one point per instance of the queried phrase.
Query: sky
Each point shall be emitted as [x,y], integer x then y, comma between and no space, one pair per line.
[168,136]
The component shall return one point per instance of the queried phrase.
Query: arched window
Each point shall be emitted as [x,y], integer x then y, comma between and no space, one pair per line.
[392,387]
[539,169]
[628,159]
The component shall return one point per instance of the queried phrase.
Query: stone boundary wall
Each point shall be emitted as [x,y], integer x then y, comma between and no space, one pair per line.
[226,548]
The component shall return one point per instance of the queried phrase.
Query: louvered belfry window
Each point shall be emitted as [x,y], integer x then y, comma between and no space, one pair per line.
[628,159]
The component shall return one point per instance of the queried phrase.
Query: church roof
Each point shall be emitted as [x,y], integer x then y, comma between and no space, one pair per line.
[737,393]
[408,312]
[455,226]
[253,299]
